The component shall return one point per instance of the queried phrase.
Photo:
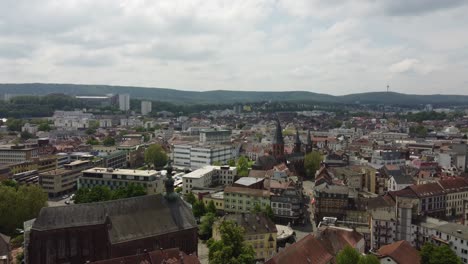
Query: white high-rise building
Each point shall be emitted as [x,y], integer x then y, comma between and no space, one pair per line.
[146,107]
[124,102]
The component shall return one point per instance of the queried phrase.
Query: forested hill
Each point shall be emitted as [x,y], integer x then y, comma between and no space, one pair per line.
[221,96]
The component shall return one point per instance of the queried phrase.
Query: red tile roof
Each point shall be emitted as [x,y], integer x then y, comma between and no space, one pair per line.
[305,251]
[401,252]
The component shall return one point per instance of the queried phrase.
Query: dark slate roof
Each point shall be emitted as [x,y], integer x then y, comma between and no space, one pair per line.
[298,139]
[131,218]
[166,256]
[403,179]
[252,223]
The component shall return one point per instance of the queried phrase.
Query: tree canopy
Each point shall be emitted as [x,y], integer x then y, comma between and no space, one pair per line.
[312,163]
[231,248]
[243,167]
[19,203]
[156,156]
[108,141]
[103,193]
[431,254]
[348,256]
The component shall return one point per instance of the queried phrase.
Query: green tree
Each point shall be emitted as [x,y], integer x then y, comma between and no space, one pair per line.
[231,248]
[131,190]
[198,209]
[243,167]
[44,126]
[206,225]
[312,163]
[419,131]
[178,189]
[156,156]
[211,208]
[92,141]
[108,141]
[18,204]
[25,135]
[232,163]
[103,193]
[14,124]
[426,253]
[190,198]
[269,212]
[369,259]
[444,255]
[348,256]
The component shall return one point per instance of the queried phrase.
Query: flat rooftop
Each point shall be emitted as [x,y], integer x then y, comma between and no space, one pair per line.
[207,169]
[144,173]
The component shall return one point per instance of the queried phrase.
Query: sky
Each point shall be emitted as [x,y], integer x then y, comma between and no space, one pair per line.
[324,46]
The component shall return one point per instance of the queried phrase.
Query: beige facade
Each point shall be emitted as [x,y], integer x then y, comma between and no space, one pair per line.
[243,200]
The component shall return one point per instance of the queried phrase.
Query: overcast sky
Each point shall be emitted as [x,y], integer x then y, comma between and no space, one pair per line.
[325,46]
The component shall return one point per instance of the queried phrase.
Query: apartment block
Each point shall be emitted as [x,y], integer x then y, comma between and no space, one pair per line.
[152,180]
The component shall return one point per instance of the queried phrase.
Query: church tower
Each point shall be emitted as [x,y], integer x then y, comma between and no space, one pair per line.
[297,143]
[278,142]
[309,145]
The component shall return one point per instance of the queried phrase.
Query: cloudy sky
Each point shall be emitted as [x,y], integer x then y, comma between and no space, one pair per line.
[326,46]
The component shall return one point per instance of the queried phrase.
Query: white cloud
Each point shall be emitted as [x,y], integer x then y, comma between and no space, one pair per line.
[336,46]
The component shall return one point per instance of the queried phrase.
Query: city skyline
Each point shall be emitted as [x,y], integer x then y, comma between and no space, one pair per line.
[337,47]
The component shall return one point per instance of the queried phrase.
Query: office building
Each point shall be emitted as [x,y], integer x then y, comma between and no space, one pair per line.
[208,176]
[243,200]
[146,107]
[152,180]
[124,102]
[61,181]
[215,136]
[15,154]
[194,156]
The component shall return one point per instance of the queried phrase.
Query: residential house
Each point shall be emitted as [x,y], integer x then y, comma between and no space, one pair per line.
[400,252]
[260,232]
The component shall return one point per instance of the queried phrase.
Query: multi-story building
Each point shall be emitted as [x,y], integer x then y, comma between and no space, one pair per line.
[195,156]
[208,176]
[152,180]
[260,232]
[215,136]
[30,128]
[330,201]
[16,154]
[430,198]
[388,157]
[60,181]
[124,102]
[387,136]
[243,200]
[146,107]
[72,120]
[460,156]
[456,190]
[40,164]
[217,198]
[116,159]
[288,206]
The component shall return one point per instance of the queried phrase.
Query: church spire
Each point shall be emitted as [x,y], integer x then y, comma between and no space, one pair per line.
[297,143]
[309,142]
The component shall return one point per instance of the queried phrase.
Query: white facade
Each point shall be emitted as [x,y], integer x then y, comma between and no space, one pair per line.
[72,119]
[124,102]
[195,156]
[31,129]
[208,176]
[215,136]
[105,123]
[151,180]
[387,136]
[146,107]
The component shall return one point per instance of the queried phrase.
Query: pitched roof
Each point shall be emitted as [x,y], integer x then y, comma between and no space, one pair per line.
[252,223]
[305,251]
[166,256]
[247,191]
[454,184]
[131,218]
[401,252]
[335,239]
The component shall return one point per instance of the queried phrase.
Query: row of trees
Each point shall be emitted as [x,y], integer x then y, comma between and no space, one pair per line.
[103,193]
[19,203]
[430,254]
